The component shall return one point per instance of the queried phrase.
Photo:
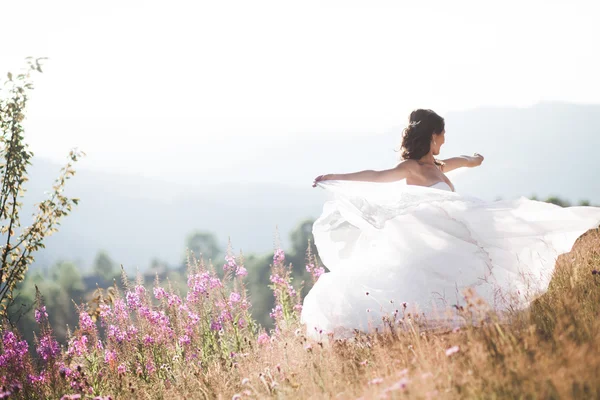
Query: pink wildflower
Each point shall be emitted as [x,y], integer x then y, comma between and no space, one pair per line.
[148,340]
[48,348]
[279,256]
[86,323]
[133,300]
[122,368]
[41,314]
[159,293]
[375,381]
[452,350]
[105,310]
[276,312]
[174,300]
[263,338]
[150,367]
[110,356]
[184,340]
[401,385]
[78,346]
[215,325]
[234,297]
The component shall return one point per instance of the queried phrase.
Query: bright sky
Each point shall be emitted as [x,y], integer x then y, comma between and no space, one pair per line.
[171,88]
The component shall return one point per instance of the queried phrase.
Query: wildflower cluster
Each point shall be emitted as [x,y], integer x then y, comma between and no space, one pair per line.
[288,303]
[140,334]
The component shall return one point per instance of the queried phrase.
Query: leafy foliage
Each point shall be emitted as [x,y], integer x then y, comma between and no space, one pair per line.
[20,244]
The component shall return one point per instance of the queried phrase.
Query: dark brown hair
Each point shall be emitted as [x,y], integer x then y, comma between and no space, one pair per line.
[416,137]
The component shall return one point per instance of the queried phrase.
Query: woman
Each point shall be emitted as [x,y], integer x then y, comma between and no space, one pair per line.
[393,249]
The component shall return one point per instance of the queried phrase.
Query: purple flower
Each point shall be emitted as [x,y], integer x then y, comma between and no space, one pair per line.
[86,323]
[216,325]
[230,264]
[48,348]
[133,300]
[174,300]
[244,305]
[78,346]
[193,318]
[150,367]
[276,312]
[316,272]
[14,353]
[234,297]
[140,291]
[148,340]
[131,332]
[71,397]
[278,257]
[185,339]
[35,379]
[241,271]
[121,310]
[122,368]
[215,283]
[110,356]
[226,315]
[40,314]
[160,293]
[263,338]
[115,333]
[276,279]
[105,311]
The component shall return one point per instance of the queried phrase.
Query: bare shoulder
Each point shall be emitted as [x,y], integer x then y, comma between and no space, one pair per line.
[408,166]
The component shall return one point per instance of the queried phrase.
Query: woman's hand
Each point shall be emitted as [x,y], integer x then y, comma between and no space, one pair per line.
[320,178]
[477,159]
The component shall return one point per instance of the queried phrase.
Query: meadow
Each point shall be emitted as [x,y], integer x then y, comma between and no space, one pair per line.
[156,343]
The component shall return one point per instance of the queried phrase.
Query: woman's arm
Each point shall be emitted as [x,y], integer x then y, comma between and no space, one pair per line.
[462,161]
[399,172]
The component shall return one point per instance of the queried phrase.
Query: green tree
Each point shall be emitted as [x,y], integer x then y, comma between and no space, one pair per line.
[66,275]
[301,236]
[104,266]
[19,244]
[203,243]
[61,285]
[558,201]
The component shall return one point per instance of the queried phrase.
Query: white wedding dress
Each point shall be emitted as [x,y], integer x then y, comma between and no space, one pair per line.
[386,244]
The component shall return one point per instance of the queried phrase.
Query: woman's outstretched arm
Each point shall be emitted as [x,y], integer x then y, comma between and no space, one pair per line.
[399,172]
[462,161]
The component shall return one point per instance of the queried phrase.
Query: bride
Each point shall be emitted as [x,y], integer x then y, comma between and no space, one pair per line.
[401,241]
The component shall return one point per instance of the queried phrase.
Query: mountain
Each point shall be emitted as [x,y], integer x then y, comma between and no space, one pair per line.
[138,219]
[547,149]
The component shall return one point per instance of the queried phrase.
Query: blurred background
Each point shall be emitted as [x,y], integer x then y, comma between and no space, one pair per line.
[207,121]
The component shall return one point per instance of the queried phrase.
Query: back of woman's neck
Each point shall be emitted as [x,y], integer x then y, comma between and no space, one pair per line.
[427,159]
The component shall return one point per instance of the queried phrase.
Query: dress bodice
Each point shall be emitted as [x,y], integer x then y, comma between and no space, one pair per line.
[442,186]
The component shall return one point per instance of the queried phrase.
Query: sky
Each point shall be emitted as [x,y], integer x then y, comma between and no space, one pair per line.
[195,91]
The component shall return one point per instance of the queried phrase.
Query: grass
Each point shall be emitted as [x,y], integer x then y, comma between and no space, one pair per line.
[549,351]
